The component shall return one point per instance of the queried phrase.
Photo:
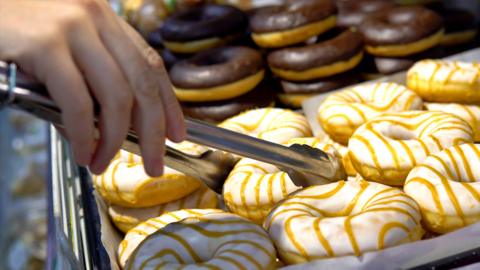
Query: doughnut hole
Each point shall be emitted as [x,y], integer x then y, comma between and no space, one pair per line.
[447,188]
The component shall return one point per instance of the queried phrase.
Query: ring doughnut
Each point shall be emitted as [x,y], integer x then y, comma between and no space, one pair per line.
[447,189]
[325,58]
[263,95]
[217,74]
[125,183]
[294,93]
[443,81]
[343,112]
[352,13]
[253,187]
[215,241]
[460,27]
[203,27]
[342,218]
[271,124]
[141,231]
[401,31]
[291,23]
[126,218]
[343,151]
[386,148]
[469,113]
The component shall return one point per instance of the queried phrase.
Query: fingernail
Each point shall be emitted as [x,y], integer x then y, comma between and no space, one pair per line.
[154,167]
[179,134]
[97,168]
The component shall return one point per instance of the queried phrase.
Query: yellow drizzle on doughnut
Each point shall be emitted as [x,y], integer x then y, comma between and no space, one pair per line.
[432,131]
[321,238]
[387,227]
[291,235]
[433,191]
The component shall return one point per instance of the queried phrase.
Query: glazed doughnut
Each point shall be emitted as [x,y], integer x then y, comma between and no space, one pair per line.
[148,15]
[386,148]
[390,65]
[263,95]
[126,218]
[343,112]
[136,235]
[401,31]
[291,23]
[125,183]
[447,189]
[443,81]
[271,124]
[469,113]
[250,4]
[460,27]
[343,151]
[212,241]
[294,93]
[201,28]
[342,218]
[352,13]
[323,59]
[217,74]
[253,187]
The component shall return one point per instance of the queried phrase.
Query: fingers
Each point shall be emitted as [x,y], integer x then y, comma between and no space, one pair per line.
[69,91]
[174,116]
[110,89]
[150,108]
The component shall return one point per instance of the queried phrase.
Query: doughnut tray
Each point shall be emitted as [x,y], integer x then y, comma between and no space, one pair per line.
[81,235]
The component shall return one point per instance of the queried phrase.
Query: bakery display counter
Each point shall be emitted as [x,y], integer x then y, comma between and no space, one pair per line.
[87,233]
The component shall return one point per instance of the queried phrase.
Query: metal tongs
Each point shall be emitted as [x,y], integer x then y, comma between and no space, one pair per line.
[305,165]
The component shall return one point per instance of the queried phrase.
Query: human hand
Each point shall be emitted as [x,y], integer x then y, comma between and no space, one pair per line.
[82,51]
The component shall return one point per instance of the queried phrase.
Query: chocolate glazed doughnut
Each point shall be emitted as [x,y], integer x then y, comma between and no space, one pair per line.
[217,74]
[352,13]
[263,95]
[294,22]
[202,28]
[319,60]
[401,31]
[294,93]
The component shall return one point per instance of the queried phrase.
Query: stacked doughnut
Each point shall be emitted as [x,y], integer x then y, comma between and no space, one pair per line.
[308,54]
[396,37]
[134,197]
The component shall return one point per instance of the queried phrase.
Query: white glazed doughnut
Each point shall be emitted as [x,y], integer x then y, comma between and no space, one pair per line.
[469,113]
[386,148]
[136,235]
[212,241]
[443,81]
[126,183]
[253,187]
[342,218]
[343,151]
[126,218]
[343,112]
[447,188]
[271,124]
